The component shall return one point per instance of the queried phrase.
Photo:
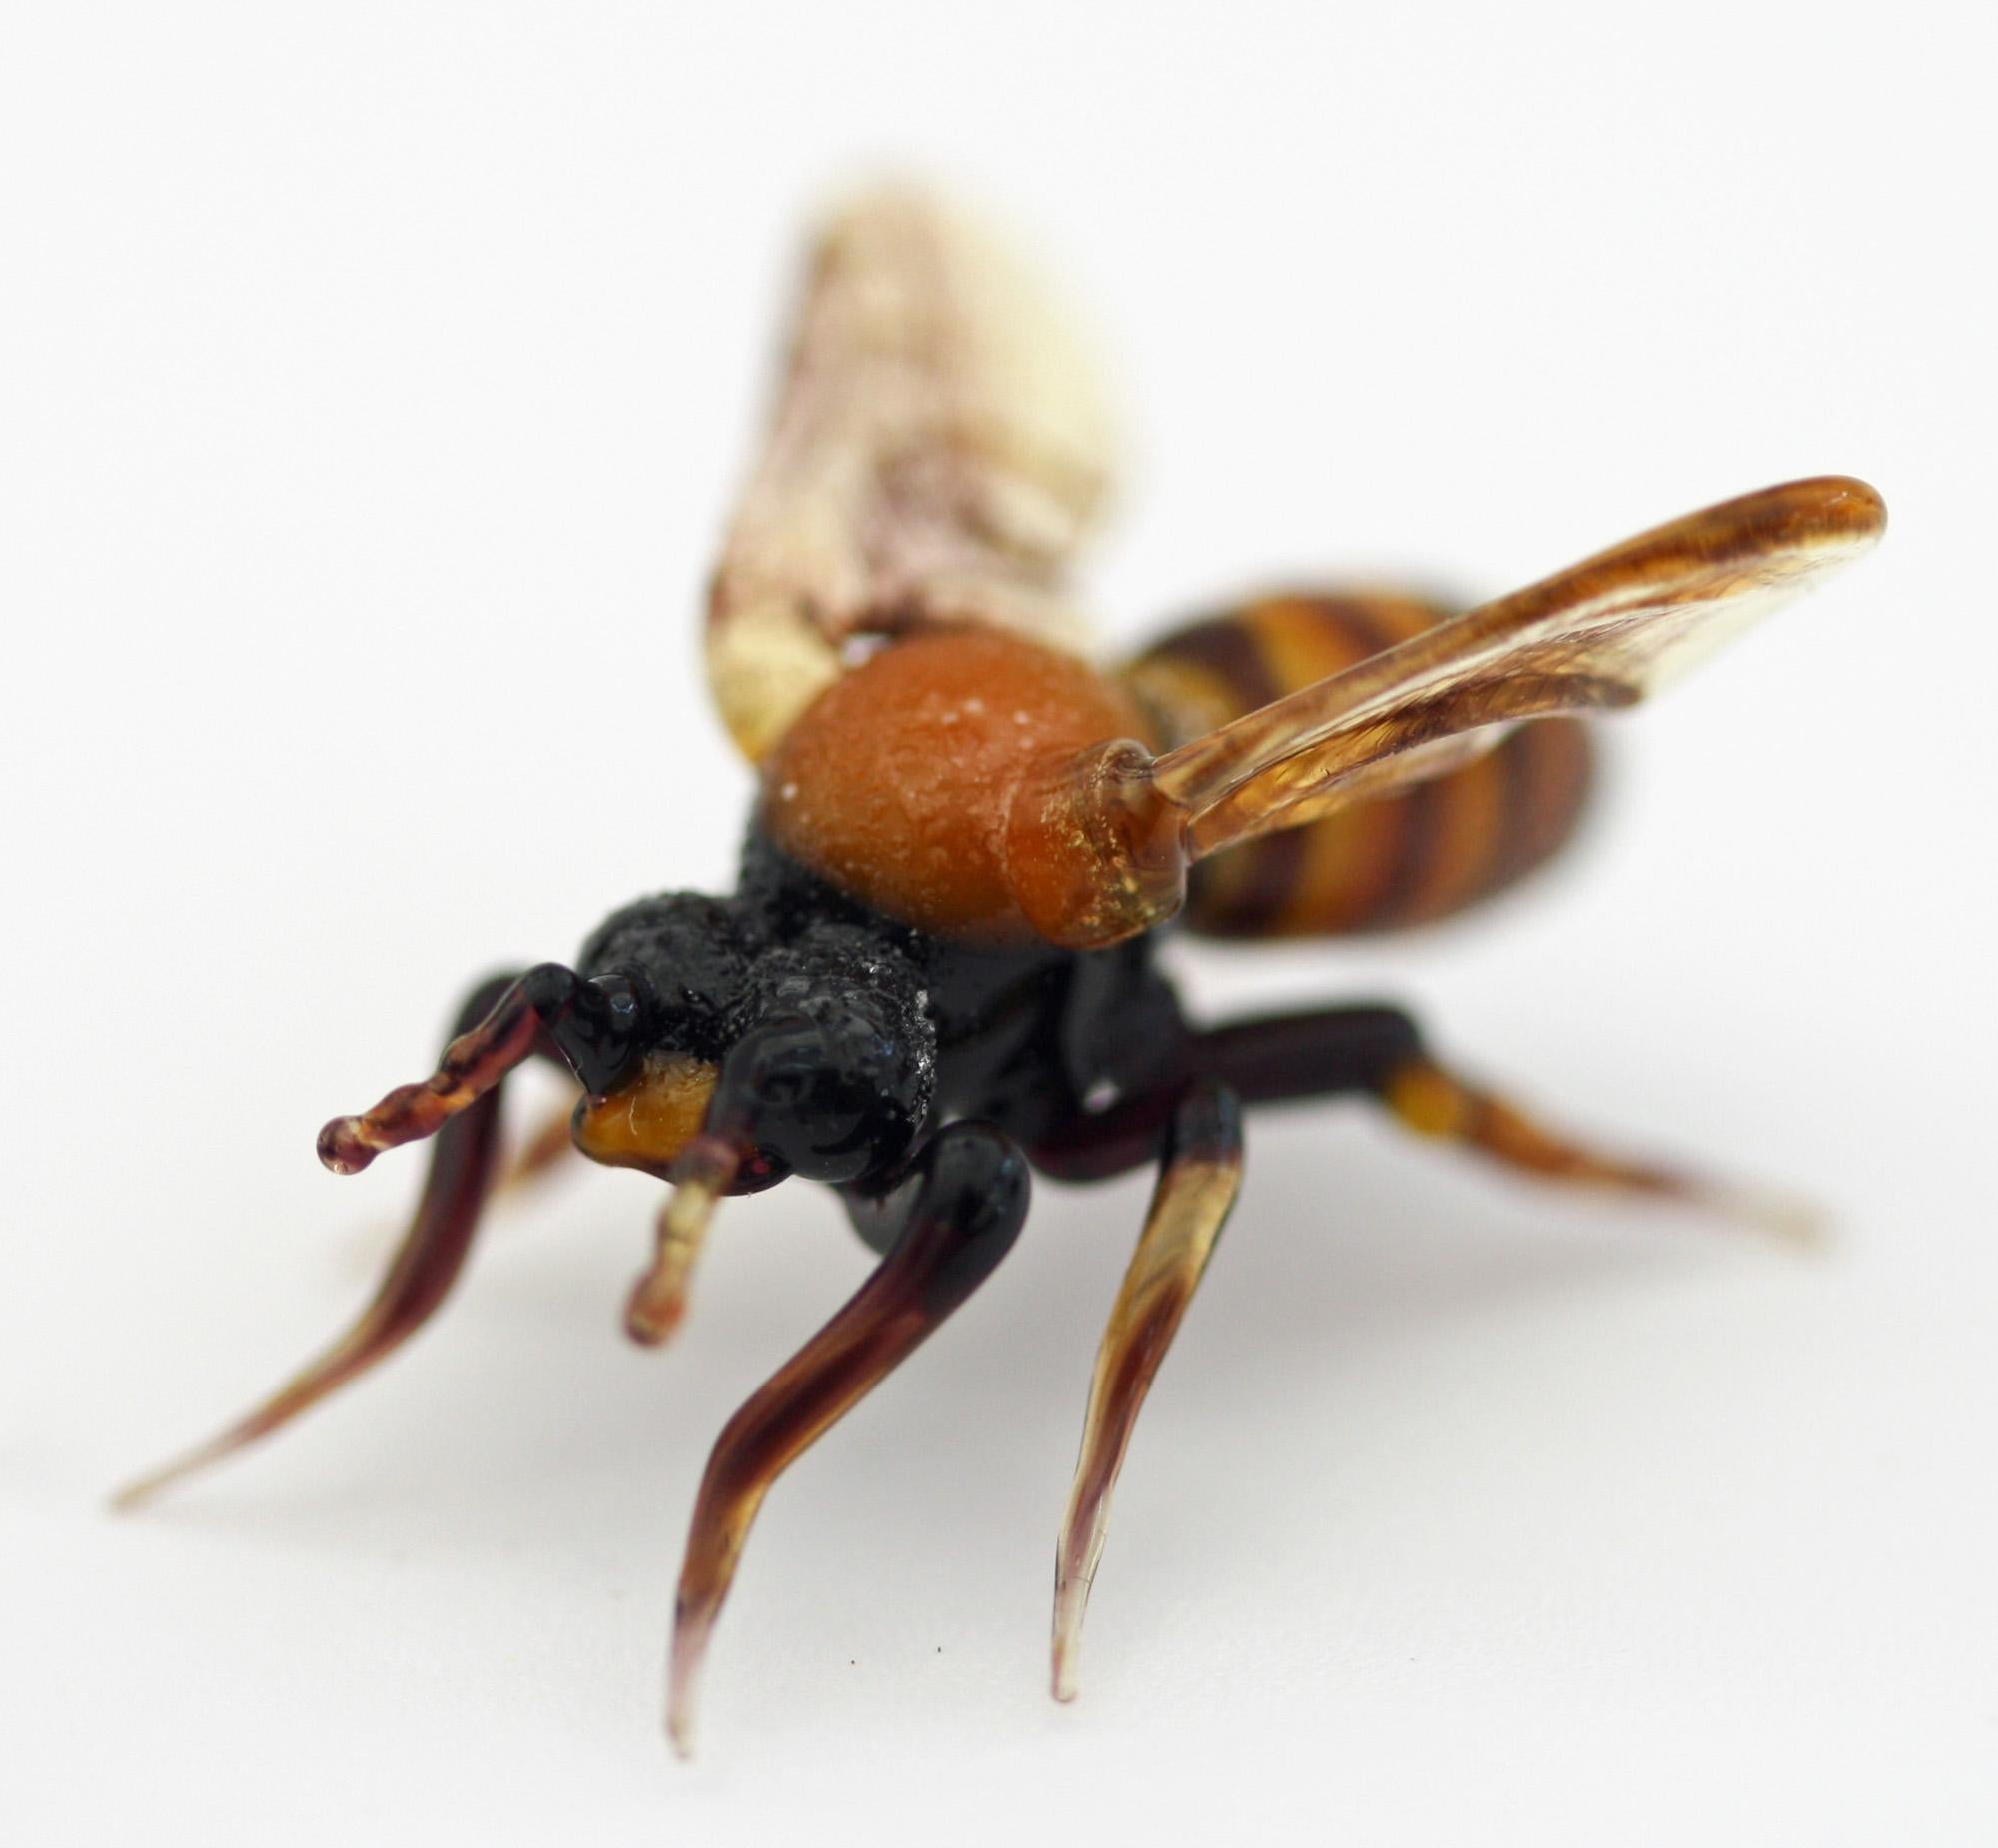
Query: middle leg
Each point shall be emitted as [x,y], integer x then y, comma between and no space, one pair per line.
[1188,1118]
[1197,1177]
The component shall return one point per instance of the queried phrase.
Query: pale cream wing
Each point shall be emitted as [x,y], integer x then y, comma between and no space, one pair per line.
[938,450]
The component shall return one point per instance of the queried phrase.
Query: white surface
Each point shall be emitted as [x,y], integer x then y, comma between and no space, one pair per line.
[376,378]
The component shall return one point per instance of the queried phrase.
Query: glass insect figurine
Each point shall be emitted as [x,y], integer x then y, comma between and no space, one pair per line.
[940,970]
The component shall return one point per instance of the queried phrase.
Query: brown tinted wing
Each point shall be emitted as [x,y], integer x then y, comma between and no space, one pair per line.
[937,453]
[1601,636]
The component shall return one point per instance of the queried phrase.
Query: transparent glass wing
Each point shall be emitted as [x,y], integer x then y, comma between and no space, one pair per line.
[1606,633]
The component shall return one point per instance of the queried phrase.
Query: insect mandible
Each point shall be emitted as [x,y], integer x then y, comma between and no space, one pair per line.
[939,970]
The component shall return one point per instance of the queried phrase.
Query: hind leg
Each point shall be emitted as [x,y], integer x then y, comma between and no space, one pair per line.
[1377,1052]
[425,1265]
[1437,1103]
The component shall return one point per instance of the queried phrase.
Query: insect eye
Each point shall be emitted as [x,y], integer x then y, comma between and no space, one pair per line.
[602,1026]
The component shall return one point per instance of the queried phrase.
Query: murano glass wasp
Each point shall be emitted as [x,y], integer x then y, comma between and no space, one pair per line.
[940,968]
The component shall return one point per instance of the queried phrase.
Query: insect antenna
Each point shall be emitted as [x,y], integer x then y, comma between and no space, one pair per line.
[591,1024]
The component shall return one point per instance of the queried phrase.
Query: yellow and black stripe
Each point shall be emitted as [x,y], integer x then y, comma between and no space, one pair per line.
[1387,861]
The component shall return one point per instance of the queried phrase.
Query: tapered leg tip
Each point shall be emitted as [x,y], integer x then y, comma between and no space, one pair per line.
[679,1721]
[143,1490]
[1800,1223]
[690,1632]
[133,1497]
[1790,1219]
[1071,1599]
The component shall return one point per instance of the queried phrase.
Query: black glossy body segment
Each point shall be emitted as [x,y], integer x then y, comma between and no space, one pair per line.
[935,1030]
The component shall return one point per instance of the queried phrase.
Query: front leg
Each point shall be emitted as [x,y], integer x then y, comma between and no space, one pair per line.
[968,1201]
[425,1265]
[590,1025]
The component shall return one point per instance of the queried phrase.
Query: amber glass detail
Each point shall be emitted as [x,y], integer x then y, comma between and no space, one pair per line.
[646,1123]
[896,784]
[1434,1102]
[1092,853]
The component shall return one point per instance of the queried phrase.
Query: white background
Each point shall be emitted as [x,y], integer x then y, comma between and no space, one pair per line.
[375,378]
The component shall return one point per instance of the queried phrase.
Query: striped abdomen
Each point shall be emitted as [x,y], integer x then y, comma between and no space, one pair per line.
[1385,861]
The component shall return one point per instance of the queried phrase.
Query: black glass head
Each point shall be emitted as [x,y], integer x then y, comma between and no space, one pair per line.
[824,1051]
